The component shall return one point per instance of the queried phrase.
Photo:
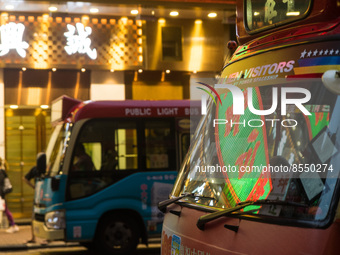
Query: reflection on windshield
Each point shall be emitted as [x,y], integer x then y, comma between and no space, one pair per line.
[263,13]
[292,157]
[57,148]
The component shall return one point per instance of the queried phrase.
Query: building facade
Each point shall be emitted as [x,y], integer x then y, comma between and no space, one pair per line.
[93,57]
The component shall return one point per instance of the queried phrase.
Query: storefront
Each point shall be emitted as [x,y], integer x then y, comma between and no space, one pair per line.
[44,56]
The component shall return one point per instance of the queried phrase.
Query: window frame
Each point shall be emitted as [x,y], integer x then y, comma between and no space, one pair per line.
[275,25]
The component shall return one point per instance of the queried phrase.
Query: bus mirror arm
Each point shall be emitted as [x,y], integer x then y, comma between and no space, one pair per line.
[163,204]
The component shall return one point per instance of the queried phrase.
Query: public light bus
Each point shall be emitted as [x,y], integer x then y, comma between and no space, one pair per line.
[109,163]
[262,172]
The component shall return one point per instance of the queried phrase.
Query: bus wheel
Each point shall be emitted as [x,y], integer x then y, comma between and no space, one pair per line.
[118,234]
[87,245]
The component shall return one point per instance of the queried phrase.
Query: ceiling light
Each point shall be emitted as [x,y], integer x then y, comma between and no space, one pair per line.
[198,21]
[44,106]
[24,69]
[9,7]
[167,71]
[212,15]
[94,10]
[124,19]
[293,13]
[54,69]
[162,21]
[256,13]
[134,12]
[52,8]
[140,70]
[83,70]
[13,106]
[112,70]
[174,13]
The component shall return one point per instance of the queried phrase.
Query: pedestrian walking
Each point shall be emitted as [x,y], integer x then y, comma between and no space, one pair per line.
[5,188]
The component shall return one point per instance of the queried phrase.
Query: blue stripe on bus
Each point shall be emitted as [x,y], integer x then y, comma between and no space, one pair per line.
[335,60]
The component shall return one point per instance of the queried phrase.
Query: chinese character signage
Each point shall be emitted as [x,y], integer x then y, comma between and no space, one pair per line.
[11,38]
[80,42]
[65,42]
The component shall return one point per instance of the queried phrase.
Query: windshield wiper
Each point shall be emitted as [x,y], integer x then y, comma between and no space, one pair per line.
[215,215]
[163,204]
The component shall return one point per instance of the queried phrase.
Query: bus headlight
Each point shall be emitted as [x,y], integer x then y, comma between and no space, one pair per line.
[55,219]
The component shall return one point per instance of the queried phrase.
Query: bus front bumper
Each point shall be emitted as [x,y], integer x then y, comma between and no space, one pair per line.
[41,231]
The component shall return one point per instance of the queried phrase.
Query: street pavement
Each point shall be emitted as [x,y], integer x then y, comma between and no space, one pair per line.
[17,240]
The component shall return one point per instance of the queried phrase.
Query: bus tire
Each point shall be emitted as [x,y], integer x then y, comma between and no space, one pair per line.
[87,245]
[118,234]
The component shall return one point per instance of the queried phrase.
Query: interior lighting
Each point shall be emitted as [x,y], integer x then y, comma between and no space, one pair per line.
[140,70]
[256,13]
[54,69]
[9,7]
[134,12]
[174,13]
[212,15]
[161,21]
[24,69]
[94,10]
[293,13]
[167,71]
[44,106]
[112,70]
[14,106]
[52,8]
[124,20]
[198,21]
[83,70]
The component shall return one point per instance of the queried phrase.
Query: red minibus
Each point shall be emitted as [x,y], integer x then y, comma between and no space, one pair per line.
[262,173]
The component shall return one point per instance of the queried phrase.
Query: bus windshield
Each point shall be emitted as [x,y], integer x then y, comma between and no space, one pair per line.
[267,13]
[292,157]
[57,147]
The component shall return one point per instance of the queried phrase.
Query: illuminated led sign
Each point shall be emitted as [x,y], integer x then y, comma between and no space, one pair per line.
[79,42]
[11,38]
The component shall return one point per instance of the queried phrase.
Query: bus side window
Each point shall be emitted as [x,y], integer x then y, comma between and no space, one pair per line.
[94,151]
[125,146]
[159,144]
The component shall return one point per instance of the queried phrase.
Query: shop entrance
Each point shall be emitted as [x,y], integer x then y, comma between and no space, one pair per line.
[27,133]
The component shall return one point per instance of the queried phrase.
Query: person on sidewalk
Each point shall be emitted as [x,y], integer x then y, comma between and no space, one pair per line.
[12,226]
[31,175]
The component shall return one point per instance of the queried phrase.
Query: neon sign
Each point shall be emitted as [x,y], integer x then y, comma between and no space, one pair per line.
[11,38]
[79,42]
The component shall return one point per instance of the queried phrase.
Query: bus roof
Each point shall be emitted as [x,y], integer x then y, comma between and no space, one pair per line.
[135,109]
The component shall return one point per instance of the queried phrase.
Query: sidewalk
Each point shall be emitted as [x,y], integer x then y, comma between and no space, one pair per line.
[17,241]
